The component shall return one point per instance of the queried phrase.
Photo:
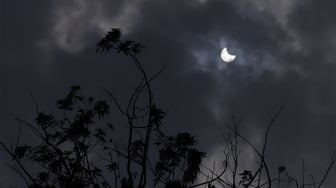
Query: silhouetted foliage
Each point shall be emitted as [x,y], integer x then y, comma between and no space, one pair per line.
[78,148]
[177,154]
[63,151]
[112,40]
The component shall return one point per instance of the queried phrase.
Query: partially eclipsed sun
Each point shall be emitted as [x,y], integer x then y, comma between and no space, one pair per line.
[227,57]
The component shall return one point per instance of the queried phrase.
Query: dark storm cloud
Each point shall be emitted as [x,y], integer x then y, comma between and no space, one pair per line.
[288,62]
[301,79]
[191,24]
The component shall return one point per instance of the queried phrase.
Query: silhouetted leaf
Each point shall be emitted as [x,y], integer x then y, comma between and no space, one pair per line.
[113,166]
[110,40]
[44,120]
[43,176]
[246,177]
[110,126]
[67,102]
[21,151]
[101,108]
[100,135]
[281,169]
[126,183]
[157,115]
[194,160]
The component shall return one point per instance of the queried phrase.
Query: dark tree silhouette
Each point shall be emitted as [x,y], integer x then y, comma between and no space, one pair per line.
[78,146]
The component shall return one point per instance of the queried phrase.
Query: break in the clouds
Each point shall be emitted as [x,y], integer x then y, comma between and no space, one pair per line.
[285,56]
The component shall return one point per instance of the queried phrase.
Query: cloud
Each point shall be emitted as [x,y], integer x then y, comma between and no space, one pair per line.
[286,63]
[76,20]
[285,56]
[207,28]
[280,9]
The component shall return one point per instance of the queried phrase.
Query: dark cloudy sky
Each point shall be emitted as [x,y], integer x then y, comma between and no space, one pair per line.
[286,56]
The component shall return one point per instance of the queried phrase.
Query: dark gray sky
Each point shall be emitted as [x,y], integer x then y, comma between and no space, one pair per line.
[285,56]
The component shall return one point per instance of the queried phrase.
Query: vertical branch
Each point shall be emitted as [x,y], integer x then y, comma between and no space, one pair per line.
[143,176]
[235,153]
[265,145]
